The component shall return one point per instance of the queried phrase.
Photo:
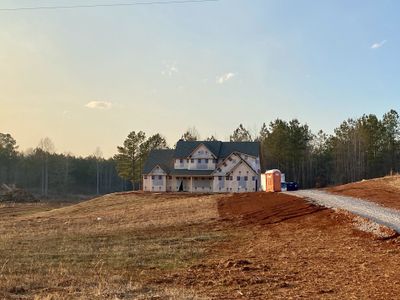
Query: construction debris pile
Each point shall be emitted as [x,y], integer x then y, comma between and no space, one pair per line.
[10,193]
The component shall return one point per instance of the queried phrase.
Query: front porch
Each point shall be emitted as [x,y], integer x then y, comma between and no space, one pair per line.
[191,184]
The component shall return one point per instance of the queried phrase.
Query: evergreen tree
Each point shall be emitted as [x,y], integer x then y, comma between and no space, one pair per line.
[241,134]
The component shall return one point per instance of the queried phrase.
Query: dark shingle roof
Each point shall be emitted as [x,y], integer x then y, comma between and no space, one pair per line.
[163,158]
[250,148]
[185,148]
[219,149]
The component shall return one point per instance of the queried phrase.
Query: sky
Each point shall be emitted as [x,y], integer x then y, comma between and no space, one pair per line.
[86,77]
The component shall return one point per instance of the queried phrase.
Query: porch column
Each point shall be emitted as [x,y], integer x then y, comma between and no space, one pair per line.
[191,184]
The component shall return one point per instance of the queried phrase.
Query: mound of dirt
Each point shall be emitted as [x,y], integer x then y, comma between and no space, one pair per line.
[385,190]
[13,194]
[264,208]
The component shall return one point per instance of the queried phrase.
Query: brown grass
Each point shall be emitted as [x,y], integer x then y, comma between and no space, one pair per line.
[180,246]
[103,248]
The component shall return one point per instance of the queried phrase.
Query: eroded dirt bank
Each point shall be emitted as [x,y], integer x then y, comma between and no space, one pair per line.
[385,190]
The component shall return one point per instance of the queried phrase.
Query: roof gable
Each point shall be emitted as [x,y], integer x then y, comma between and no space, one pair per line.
[185,148]
[160,157]
[242,161]
[198,148]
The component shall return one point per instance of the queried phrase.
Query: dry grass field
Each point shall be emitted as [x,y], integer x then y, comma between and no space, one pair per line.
[103,248]
[180,246]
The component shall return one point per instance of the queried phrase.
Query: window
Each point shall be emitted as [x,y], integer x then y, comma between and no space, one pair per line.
[254,178]
[214,161]
[230,158]
[246,178]
[219,169]
[238,178]
[247,172]
[181,161]
[187,160]
[192,160]
[227,178]
[224,164]
[199,160]
[207,161]
[230,178]
[159,177]
[169,177]
[219,178]
[153,177]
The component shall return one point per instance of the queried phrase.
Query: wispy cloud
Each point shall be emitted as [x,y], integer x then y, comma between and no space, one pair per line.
[224,78]
[99,105]
[169,69]
[378,45]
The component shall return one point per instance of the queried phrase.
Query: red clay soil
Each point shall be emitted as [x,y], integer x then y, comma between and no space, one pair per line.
[281,247]
[264,208]
[385,191]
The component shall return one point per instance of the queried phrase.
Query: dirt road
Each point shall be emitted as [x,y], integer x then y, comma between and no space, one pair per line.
[379,214]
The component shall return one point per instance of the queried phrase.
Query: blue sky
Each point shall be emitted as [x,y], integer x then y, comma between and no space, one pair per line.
[87,77]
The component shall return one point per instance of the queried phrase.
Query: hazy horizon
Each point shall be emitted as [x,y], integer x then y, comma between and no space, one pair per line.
[87,77]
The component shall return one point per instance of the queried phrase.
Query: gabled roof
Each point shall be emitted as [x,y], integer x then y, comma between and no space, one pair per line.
[249,148]
[185,148]
[162,158]
[165,158]
[242,161]
[219,149]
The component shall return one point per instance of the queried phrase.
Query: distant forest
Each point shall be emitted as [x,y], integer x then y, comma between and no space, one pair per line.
[361,148]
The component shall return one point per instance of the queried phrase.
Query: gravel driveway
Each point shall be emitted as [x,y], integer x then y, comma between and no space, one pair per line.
[374,212]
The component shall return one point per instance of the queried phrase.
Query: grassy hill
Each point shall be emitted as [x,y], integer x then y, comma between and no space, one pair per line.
[102,246]
[180,246]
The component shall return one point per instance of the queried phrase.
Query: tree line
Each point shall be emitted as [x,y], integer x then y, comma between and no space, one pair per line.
[46,173]
[361,148]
